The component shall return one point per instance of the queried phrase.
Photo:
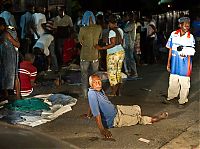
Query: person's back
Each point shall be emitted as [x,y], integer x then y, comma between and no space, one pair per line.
[89,57]
[39,18]
[27,75]
[26,22]
[46,40]
[89,36]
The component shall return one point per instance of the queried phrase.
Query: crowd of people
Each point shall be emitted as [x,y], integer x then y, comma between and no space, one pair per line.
[101,41]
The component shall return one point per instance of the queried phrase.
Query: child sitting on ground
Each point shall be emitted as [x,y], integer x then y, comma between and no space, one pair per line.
[27,75]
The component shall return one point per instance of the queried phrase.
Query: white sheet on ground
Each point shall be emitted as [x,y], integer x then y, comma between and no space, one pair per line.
[56,111]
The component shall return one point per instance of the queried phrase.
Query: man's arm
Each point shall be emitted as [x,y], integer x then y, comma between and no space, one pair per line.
[169,59]
[95,109]
[88,114]
[15,42]
[105,132]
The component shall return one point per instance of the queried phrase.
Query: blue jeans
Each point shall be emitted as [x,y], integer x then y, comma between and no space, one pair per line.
[87,68]
[129,63]
[54,62]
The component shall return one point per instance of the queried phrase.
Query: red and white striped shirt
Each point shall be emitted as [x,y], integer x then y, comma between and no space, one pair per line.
[27,73]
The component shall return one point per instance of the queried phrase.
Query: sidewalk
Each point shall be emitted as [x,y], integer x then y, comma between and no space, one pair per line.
[190,139]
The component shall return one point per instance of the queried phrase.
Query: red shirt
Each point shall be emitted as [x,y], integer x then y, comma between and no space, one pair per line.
[27,73]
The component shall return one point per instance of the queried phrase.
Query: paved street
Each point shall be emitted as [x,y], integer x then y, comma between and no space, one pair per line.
[180,130]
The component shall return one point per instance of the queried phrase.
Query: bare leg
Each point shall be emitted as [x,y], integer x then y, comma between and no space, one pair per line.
[119,86]
[113,90]
[17,87]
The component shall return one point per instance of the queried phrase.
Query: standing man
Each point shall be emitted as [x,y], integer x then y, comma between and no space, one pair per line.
[26,23]
[151,41]
[88,37]
[129,42]
[181,47]
[63,25]
[38,18]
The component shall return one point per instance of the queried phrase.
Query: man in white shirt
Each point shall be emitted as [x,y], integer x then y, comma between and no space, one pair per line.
[46,44]
[38,18]
[151,41]
[63,24]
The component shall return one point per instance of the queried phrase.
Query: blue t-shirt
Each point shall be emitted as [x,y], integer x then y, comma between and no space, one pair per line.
[99,104]
[180,65]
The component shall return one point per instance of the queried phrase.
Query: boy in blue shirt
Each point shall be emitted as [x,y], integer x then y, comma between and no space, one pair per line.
[181,49]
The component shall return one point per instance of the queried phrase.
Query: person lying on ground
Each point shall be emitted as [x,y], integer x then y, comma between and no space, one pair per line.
[108,115]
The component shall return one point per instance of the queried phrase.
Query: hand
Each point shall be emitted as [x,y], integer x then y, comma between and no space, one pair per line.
[12,28]
[86,116]
[106,133]
[182,55]
[168,68]
[97,47]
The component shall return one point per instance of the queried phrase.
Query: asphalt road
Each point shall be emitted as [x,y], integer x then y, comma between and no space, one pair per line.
[179,130]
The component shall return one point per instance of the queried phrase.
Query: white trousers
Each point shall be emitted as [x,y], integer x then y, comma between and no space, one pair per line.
[178,85]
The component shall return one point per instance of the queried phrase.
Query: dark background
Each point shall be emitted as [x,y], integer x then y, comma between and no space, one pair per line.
[141,5]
